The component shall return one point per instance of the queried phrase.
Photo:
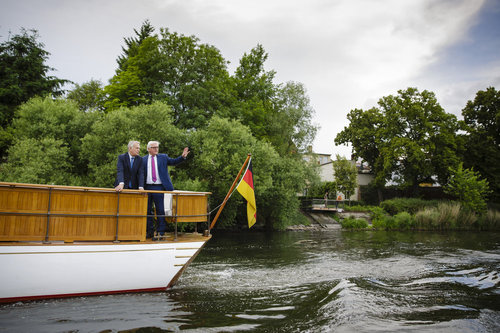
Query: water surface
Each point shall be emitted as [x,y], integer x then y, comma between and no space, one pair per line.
[334,281]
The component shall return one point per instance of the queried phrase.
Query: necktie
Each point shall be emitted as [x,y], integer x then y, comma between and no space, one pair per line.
[153,169]
[131,164]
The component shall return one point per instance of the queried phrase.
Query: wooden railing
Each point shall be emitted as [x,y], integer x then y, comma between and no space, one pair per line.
[32,212]
[308,204]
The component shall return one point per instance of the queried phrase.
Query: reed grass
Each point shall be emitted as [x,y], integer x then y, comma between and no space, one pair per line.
[448,215]
[490,221]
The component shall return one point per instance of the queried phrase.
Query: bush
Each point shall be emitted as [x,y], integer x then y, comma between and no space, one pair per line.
[378,216]
[404,221]
[352,223]
[410,205]
[471,191]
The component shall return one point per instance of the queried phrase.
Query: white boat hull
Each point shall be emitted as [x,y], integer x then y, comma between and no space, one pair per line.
[47,271]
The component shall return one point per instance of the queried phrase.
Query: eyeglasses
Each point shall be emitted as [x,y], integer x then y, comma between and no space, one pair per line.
[154,147]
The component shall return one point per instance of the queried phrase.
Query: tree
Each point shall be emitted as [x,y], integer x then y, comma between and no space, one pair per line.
[143,123]
[409,139]
[89,96]
[290,129]
[466,185]
[482,139]
[346,176]
[52,130]
[23,74]
[220,149]
[192,78]
[47,164]
[125,89]
[254,92]
[133,43]
[177,69]
[277,180]
[363,133]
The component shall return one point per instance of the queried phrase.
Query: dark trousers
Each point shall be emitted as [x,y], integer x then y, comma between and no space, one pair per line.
[157,198]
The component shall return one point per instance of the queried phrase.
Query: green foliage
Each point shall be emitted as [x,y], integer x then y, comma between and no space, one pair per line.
[276,180]
[408,139]
[482,140]
[290,128]
[192,78]
[281,204]
[490,220]
[400,221]
[352,223]
[427,218]
[410,205]
[172,88]
[125,89]
[346,176]
[189,76]
[33,161]
[470,190]
[359,208]
[404,221]
[89,96]
[446,216]
[377,214]
[42,121]
[218,160]
[142,123]
[23,75]
[132,44]
[318,190]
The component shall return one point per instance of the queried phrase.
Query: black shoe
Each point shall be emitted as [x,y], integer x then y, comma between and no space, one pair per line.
[149,235]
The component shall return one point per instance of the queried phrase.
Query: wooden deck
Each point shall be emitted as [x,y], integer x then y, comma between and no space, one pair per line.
[324,209]
[48,213]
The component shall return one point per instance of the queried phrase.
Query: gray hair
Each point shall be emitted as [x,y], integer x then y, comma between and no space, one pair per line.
[152,142]
[131,144]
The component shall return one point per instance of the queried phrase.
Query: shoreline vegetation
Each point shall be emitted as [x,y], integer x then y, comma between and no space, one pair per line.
[403,214]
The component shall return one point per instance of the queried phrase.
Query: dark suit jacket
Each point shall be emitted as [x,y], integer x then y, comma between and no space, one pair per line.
[163,161]
[126,174]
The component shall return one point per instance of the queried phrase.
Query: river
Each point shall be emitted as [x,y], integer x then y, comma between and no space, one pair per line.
[334,281]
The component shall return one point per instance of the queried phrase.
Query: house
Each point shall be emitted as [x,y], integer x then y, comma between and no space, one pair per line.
[326,173]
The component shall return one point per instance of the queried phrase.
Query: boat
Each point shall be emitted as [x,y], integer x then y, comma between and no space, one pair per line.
[66,241]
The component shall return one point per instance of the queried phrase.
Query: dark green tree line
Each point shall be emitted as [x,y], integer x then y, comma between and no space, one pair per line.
[23,74]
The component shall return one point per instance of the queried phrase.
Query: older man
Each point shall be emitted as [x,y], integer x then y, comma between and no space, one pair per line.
[129,170]
[156,175]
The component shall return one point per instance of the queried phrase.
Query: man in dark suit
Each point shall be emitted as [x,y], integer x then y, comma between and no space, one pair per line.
[129,170]
[156,176]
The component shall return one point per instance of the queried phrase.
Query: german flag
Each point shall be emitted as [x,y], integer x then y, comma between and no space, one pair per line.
[245,187]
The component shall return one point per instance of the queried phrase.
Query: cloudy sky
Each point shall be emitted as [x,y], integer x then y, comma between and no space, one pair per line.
[347,53]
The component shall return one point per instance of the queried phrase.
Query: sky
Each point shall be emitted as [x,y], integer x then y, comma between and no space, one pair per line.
[347,53]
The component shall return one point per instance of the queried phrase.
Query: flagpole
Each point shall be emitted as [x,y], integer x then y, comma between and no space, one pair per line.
[229,193]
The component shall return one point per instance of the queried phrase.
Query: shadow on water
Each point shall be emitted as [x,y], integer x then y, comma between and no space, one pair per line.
[332,281]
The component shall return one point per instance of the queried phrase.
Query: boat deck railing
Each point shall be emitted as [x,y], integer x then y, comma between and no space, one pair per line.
[33,212]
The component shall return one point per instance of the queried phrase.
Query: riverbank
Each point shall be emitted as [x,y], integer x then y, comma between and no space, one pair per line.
[326,221]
